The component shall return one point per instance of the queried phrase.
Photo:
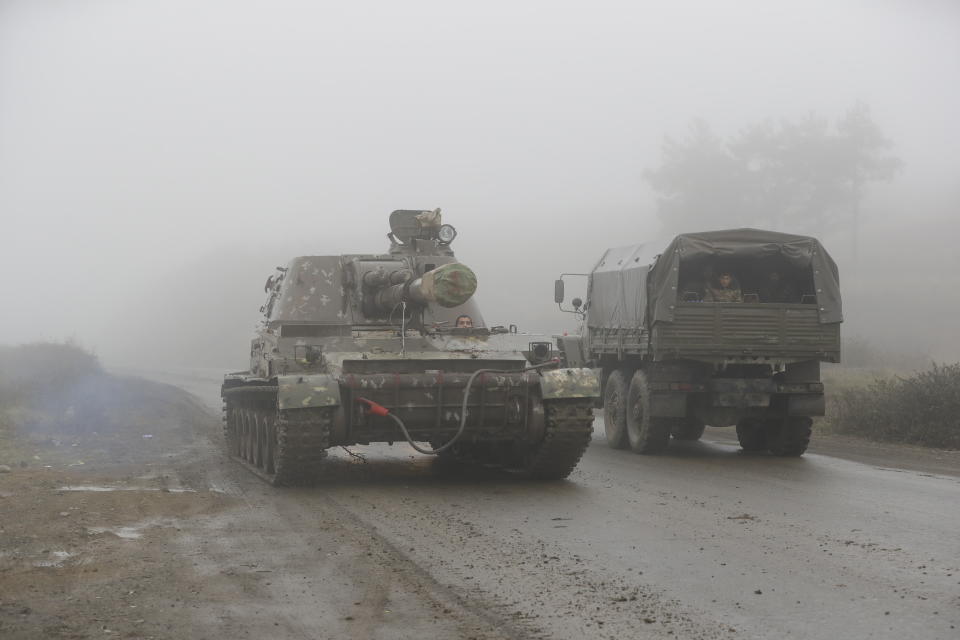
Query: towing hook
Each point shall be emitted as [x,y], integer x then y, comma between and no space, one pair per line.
[374,408]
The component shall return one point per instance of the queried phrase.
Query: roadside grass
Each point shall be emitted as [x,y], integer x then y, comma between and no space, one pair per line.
[881,403]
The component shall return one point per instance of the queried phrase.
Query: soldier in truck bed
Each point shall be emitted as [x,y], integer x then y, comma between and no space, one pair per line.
[725,288]
[694,290]
[776,289]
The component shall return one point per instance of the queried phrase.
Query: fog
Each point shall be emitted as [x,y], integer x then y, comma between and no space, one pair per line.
[159,159]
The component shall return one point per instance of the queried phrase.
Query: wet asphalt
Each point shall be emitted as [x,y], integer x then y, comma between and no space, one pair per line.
[703,541]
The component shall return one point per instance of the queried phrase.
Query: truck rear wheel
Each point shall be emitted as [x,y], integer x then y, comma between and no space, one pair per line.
[615,410]
[646,433]
[689,429]
[752,434]
[791,438]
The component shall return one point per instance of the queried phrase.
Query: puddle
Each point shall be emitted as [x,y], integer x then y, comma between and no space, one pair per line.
[135,531]
[126,533]
[100,489]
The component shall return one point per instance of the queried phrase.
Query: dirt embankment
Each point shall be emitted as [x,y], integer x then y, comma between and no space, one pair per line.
[87,504]
[59,409]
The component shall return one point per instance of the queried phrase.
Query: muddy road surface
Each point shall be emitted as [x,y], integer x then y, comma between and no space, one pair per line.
[704,542]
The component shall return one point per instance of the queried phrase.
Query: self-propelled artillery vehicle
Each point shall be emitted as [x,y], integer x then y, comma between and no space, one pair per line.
[719,328]
[364,348]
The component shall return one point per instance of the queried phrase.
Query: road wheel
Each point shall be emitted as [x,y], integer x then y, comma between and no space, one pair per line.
[253,437]
[752,434]
[615,410]
[245,435]
[791,438]
[259,440]
[270,455]
[689,429]
[645,433]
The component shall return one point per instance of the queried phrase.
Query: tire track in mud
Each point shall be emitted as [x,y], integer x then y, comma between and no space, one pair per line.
[313,569]
[546,589]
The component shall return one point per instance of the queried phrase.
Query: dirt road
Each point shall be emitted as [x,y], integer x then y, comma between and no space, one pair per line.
[704,542]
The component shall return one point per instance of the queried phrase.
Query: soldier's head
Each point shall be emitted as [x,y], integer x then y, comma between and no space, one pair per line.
[464,322]
[725,278]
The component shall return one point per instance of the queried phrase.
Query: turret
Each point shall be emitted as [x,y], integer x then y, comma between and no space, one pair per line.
[367,290]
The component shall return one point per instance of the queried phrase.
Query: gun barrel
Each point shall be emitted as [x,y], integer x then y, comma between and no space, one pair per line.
[449,285]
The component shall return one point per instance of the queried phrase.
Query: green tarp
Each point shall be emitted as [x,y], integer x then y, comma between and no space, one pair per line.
[625,278]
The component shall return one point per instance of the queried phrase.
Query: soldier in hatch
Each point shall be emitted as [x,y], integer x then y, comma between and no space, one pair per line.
[724,288]
[464,322]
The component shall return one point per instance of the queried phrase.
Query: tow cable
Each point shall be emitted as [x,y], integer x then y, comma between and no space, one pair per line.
[380,410]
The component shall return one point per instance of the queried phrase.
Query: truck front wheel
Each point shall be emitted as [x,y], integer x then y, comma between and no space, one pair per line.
[646,433]
[615,409]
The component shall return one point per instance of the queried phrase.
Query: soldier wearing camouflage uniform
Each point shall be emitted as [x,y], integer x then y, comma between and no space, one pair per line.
[724,289]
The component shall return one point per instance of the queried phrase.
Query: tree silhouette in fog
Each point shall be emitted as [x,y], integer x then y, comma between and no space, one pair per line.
[802,176]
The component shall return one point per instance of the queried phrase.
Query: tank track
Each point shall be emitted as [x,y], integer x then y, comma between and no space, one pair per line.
[303,439]
[569,429]
[284,448]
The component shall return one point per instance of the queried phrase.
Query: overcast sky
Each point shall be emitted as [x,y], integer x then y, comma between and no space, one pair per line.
[158,158]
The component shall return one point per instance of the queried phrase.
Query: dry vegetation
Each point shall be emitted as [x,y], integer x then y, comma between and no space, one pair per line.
[42,383]
[59,408]
[893,398]
[38,383]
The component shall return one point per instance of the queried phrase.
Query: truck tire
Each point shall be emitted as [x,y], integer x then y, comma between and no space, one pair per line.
[752,434]
[688,429]
[790,440]
[615,410]
[645,433]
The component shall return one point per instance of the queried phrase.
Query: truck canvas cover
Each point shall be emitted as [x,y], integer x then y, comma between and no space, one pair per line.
[633,287]
[618,287]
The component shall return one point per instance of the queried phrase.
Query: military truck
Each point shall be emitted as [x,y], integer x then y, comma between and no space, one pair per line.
[676,354]
[363,348]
